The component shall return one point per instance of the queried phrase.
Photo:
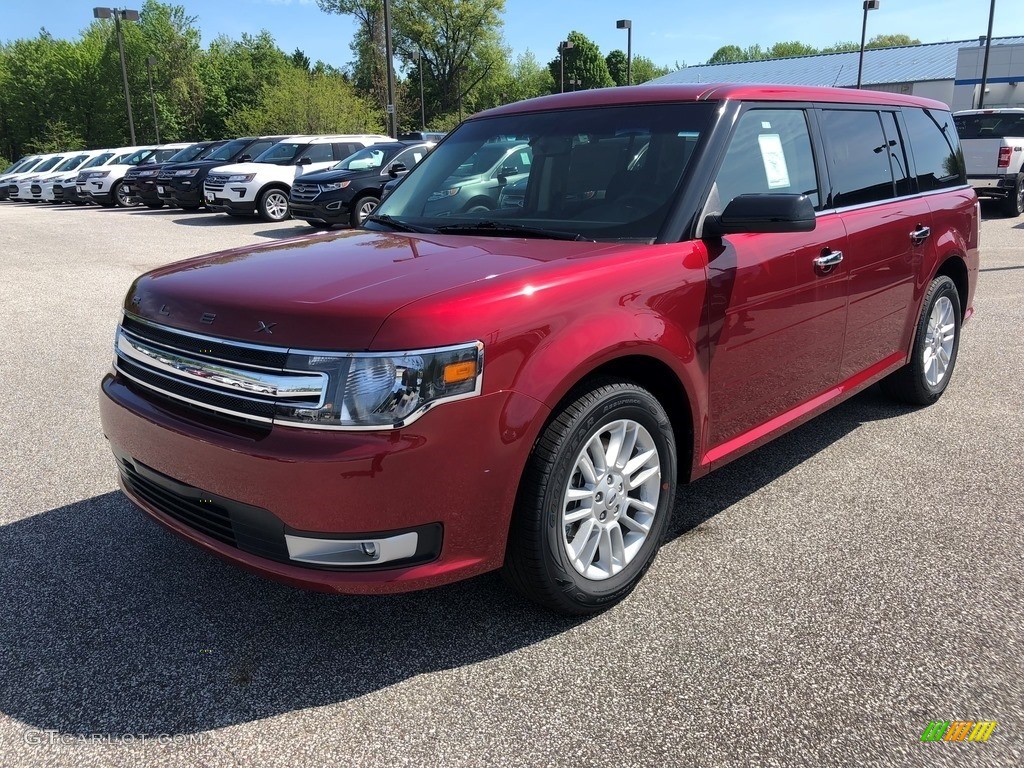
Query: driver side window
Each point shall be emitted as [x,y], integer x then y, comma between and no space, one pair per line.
[770,151]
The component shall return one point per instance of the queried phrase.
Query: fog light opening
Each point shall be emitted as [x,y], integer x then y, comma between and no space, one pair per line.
[369,549]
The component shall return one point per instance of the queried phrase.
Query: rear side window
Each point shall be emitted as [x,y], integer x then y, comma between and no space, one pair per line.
[319,153]
[936,149]
[860,166]
[994,125]
[770,151]
[341,151]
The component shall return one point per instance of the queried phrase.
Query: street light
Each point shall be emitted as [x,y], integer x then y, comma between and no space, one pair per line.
[392,117]
[988,48]
[627,25]
[127,15]
[418,55]
[574,83]
[869,5]
[150,63]
[562,48]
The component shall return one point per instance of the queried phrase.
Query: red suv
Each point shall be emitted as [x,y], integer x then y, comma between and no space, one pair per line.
[456,388]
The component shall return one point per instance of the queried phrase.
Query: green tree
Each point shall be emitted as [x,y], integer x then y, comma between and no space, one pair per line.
[300,60]
[789,49]
[644,69]
[57,136]
[583,63]
[618,66]
[726,54]
[841,47]
[891,41]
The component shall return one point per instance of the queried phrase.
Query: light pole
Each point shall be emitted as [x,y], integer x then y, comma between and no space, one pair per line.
[127,15]
[574,83]
[562,48]
[392,117]
[869,5]
[627,25]
[150,63]
[988,47]
[423,106]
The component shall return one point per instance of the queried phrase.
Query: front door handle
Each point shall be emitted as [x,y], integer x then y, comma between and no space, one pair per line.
[920,234]
[828,260]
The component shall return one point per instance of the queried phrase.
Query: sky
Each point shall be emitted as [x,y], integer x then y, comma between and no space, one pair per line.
[670,32]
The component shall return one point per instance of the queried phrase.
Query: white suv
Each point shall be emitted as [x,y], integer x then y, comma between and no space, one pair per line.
[40,187]
[262,186]
[44,163]
[103,185]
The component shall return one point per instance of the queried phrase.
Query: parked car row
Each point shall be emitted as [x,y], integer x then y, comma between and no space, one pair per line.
[247,176]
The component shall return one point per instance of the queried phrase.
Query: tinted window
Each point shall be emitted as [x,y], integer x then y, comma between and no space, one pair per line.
[936,149]
[45,166]
[341,151]
[859,165]
[186,154]
[897,154]
[770,151]
[257,148]
[99,160]
[282,153]
[232,148]
[995,125]
[319,153]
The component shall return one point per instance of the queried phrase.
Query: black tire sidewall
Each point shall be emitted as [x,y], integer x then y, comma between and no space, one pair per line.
[941,286]
[639,406]
[357,206]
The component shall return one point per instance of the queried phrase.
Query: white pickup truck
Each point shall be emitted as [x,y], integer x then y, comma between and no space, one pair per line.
[993,144]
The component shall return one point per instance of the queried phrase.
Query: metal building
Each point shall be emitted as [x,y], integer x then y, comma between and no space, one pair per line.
[949,72]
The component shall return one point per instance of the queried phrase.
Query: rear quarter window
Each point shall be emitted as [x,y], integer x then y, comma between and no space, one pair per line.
[859,164]
[936,148]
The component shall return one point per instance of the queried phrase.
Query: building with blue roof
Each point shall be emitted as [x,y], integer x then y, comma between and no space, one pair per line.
[949,72]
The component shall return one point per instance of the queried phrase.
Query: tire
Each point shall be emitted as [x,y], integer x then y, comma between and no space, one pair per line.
[122,198]
[1013,205]
[567,565]
[273,205]
[923,380]
[154,206]
[364,207]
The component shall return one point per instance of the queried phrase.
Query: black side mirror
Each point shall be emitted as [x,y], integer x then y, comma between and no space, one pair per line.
[396,170]
[244,158]
[770,212]
[505,171]
[304,161]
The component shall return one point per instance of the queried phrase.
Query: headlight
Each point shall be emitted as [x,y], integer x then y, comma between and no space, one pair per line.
[334,185]
[186,172]
[386,390]
[240,177]
[148,173]
[97,175]
[441,194]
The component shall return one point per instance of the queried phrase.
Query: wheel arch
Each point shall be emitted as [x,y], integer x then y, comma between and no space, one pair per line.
[955,269]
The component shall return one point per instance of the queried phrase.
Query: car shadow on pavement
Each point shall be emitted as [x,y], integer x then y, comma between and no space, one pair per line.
[215,219]
[115,626]
[294,230]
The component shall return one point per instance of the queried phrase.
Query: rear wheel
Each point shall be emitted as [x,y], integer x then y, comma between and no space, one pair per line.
[594,501]
[364,207]
[1013,205]
[273,205]
[936,342]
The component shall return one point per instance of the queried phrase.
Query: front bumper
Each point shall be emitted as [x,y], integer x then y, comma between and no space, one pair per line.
[319,211]
[458,468]
[144,191]
[178,192]
[231,198]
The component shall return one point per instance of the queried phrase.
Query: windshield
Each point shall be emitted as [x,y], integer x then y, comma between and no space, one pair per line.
[281,153]
[194,152]
[47,165]
[13,167]
[366,159]
[71,163]
[608,173]
[99,160]
[135,157]
[229,150]
[996,125]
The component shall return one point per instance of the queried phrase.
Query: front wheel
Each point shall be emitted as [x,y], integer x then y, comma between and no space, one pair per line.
[594,501]
[1013,205]
[936,342]
[364,207]
[274,205]
[123,196]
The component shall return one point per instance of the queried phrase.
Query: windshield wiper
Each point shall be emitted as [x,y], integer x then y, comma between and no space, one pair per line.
[397,225]
[502,228]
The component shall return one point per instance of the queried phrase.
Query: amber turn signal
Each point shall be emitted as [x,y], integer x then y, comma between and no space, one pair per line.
[455,373]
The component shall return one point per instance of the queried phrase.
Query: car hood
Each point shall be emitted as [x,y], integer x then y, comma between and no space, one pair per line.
[137,169]
[115,170]
[246,168]
[329,292]
[325,176]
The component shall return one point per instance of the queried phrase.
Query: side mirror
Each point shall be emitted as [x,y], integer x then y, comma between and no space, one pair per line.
[304,161]
[397,169]
[771,212]
[505,171]
[245,159]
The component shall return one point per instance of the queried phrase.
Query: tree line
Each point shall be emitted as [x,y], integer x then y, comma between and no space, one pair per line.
[728,54]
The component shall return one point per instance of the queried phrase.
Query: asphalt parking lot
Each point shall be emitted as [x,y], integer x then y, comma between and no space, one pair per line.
[819,601]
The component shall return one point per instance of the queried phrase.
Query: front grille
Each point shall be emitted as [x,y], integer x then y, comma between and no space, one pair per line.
[165,176]
[35,189]
[251,529]
[215,182]
[12,189]
[227,381]
[58,192]
[304,193]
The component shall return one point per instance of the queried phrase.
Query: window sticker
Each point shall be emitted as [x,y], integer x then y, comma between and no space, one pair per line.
[774,160]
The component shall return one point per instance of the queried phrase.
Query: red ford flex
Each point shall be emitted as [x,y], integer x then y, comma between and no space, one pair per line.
[487,377]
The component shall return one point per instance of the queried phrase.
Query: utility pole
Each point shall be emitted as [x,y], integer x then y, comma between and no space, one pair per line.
[128,15]
[988,47]
[392,116]
[150,61]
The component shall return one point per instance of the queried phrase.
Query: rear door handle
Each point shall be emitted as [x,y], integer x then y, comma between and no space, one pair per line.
[828,260]
[920,234]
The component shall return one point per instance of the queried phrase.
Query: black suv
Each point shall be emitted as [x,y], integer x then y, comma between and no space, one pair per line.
[348,191]
[141,179]
[181,185]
